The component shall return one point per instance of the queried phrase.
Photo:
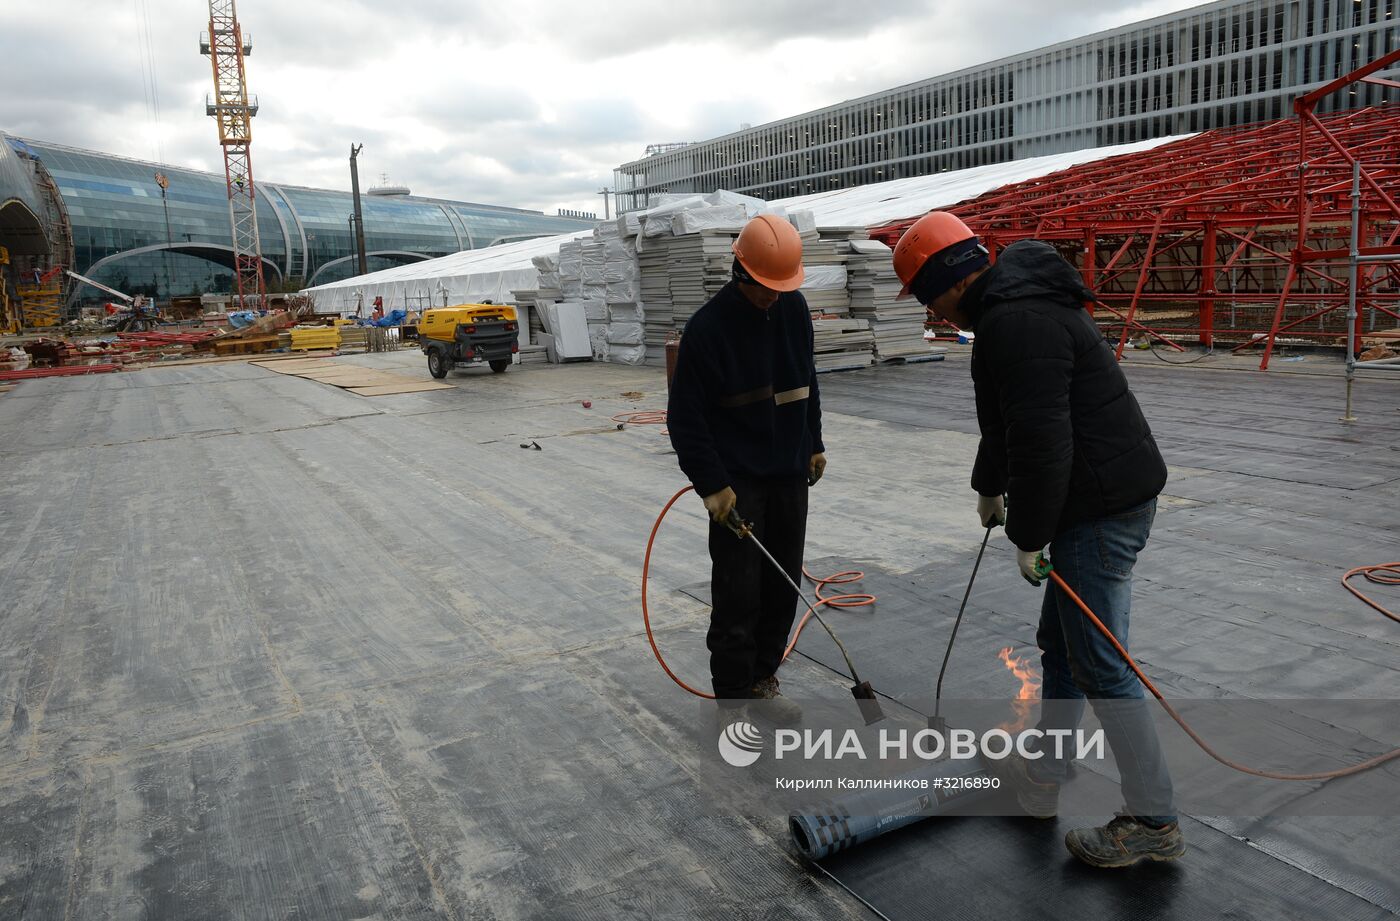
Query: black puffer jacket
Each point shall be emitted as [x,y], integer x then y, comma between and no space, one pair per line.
[1062,435]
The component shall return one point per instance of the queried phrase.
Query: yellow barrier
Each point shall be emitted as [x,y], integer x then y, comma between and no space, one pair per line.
[312,338]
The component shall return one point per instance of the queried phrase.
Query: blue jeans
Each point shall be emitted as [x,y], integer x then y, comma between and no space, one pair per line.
[1096,560]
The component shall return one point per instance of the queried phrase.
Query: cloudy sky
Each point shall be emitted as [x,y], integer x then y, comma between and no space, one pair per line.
[528,103]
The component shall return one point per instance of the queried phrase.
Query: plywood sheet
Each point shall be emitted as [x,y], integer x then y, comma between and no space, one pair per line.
[380,390]
[338,374]
[296,367]
[365,382]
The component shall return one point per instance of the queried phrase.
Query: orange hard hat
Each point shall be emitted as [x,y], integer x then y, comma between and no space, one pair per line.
[770,250]
[930,234]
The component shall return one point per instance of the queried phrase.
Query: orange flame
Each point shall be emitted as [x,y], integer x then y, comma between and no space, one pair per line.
[1029,691]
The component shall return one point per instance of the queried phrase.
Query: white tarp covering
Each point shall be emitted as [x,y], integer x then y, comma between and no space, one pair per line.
[886,202]
[494,272]
[462,278]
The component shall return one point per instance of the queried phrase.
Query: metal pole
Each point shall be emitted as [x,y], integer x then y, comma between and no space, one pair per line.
[164,183]
[1351,283]
[1206,289]
[607,208]
[1091,264]
[362,260]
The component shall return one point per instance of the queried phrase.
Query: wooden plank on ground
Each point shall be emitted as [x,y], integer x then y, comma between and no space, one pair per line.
[409,387]
[301,356]
[332,370]
[325,368]
[367,382]
[347,380]
[298,369]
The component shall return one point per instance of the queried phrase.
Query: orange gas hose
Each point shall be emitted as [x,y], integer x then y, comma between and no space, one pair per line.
[642,417]
[1205,747]
[851,600]
[1380,574]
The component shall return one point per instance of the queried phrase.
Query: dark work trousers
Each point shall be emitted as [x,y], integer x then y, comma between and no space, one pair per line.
[753,608]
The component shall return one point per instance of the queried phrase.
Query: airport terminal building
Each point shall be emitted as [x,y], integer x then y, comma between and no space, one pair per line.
[1220,64]
[106,218]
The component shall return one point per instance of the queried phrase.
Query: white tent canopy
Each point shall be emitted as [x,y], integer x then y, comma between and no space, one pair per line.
[494,272]
[467,277]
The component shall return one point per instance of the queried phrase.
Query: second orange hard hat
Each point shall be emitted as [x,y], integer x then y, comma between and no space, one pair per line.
[770,250]
[930,234]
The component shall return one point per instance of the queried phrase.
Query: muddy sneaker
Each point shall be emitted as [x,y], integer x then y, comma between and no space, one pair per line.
[1124,841]
[769,703]
[1039,800]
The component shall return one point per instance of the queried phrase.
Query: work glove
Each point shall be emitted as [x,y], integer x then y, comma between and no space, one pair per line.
[1033,564]
[991,510]
[815,468]
[720,504]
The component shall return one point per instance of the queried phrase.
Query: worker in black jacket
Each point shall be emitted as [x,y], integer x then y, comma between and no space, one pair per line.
[745,420]
[1065,442]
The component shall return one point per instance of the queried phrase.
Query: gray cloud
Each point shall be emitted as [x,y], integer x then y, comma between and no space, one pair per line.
[462,104]
[529,103]
[597,31]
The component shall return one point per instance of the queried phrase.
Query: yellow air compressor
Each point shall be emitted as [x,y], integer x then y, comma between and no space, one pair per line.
[468,335]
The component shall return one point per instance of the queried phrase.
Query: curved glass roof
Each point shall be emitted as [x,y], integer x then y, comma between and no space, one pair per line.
[18,230]
[115,208]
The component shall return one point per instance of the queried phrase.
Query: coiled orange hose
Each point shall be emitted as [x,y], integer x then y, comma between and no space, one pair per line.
[1380,574]
[848,600]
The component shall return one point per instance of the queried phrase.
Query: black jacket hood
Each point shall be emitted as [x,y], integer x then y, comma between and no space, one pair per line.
[1030,269]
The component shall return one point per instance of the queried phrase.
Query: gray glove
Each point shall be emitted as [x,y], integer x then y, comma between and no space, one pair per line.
[991,510]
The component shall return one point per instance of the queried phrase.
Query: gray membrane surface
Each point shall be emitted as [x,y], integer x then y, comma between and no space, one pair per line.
[272,650]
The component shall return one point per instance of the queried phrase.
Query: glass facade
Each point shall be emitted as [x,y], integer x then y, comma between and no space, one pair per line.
[127,236]
[20,207]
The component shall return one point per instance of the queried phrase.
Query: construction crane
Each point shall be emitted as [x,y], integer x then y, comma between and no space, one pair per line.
[233,109]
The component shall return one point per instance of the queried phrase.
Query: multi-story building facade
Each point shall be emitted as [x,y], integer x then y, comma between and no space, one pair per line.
[1228,63]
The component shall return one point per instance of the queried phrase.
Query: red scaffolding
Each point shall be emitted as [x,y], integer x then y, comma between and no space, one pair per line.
[1236,236]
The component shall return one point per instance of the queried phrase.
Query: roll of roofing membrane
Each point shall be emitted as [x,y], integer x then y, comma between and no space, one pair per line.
[841,824]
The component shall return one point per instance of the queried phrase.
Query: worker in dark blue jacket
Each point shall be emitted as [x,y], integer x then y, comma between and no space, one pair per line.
[1065,442]
[745,420]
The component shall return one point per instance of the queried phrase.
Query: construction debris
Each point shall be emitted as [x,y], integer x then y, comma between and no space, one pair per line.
[69,371]
[254,345]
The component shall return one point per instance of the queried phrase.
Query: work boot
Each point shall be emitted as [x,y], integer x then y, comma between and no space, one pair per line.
[769,703]
[1039,800]
[729,713]
[725,714]
[1124,841]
